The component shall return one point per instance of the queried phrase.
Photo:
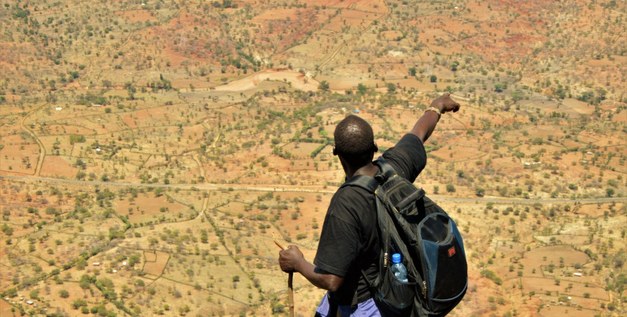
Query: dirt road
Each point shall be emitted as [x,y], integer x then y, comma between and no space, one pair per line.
[307,189]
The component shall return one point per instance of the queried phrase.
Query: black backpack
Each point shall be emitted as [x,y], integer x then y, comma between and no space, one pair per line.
[429,242]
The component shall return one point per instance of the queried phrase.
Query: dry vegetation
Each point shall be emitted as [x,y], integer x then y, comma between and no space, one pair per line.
[152,151]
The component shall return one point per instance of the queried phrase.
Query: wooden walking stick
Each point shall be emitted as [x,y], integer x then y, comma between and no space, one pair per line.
[290,286]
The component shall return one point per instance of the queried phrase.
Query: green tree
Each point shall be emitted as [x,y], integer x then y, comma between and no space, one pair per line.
[500,87]
[85,281]
[64,294]
[492,276]
[204,236]
[362,89]
[479,191]
[609,192]
[77,138]
[454,66]
[450,188]
[78,303]
[412,71]
[391,88]
[324,85]
[133,259]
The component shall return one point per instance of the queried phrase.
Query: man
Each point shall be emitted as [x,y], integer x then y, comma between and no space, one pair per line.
[349,240]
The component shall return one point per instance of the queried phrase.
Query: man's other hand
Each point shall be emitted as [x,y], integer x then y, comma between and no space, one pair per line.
[290,258]
[445,103]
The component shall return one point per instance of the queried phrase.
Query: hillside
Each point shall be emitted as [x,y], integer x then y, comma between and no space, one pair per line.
[151,152]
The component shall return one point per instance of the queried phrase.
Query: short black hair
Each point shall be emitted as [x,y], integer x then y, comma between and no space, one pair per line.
[354,141]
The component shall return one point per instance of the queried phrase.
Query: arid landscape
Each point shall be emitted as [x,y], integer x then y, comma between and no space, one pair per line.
[152,151]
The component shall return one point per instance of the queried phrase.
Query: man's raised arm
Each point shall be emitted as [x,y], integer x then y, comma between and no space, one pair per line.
[426,124]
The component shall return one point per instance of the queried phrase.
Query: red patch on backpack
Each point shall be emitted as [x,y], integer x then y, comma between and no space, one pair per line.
[451,251]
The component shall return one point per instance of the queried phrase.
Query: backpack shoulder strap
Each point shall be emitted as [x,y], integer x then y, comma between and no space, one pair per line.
[387,170]
[366,182]
[371,183]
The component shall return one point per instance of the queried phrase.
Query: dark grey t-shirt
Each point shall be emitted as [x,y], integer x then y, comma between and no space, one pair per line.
[349,239]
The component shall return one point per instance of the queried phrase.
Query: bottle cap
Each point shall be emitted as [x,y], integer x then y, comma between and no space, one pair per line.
[396,258]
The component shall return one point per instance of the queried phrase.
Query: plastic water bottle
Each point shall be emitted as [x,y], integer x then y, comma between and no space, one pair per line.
[399,270]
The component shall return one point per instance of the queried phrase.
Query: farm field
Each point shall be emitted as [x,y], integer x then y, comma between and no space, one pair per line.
[152,152]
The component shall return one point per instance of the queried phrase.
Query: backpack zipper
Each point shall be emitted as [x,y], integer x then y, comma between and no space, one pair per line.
[424,289]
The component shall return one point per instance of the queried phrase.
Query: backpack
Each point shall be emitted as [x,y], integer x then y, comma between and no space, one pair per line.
[428,240]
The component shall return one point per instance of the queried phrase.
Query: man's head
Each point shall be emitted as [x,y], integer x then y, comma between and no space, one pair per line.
[354,141]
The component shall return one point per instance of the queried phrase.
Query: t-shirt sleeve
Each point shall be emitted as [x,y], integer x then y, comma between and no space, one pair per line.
[408,157]
[339,240]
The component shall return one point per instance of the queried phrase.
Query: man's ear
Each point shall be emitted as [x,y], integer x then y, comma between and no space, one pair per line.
[375,148]
[334,151]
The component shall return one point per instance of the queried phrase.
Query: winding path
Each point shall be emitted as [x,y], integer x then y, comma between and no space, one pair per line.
[42,149]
